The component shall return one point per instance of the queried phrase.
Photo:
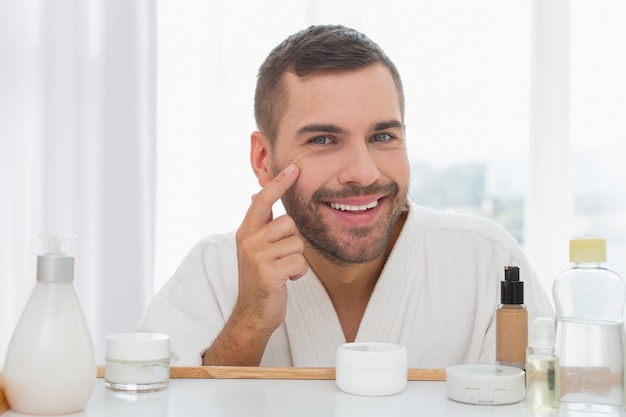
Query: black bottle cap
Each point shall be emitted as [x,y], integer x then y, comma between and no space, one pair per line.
[511,289]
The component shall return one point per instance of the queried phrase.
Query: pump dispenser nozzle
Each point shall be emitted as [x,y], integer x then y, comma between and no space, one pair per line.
[55,265]
[511,289]
[56,242]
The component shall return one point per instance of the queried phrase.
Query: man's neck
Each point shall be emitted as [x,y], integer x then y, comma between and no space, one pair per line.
[350,286]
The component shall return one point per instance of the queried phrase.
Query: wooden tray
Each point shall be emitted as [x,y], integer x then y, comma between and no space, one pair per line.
[4,405]
[263,372]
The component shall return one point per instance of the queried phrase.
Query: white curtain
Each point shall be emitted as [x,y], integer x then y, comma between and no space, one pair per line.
[77,153]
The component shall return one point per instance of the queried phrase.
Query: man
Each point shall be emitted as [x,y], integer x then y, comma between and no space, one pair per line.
[353,259]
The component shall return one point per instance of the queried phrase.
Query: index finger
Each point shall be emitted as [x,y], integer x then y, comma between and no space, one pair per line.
[260,211]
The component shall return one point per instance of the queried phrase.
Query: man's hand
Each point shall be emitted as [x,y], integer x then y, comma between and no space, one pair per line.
[270,252]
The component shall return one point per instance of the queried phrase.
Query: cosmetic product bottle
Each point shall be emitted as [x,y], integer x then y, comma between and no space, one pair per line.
[542,368]
[50,365]
[511,321]
[589,302]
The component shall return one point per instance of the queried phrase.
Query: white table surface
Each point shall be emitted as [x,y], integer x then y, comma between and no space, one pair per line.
[292,398]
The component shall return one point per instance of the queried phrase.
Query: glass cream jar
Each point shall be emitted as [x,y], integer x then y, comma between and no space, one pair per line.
[137,362]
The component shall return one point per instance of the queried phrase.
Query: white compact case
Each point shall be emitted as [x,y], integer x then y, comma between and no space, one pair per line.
[137,362]
[485,384]
[371,369]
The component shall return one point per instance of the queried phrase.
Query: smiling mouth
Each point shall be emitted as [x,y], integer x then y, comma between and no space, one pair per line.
[348,207]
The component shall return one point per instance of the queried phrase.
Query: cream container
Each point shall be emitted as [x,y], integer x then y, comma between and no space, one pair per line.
[371,369]
[137,362]
[485,384]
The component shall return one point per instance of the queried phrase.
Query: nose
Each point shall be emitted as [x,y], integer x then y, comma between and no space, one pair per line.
[358,166]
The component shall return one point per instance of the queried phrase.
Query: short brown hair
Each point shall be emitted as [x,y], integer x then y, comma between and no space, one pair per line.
[329,47]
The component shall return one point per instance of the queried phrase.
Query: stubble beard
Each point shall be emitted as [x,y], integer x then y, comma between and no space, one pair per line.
[364,244]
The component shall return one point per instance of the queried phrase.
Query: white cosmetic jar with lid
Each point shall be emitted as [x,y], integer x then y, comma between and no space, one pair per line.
[485,384]
[137,362]
[371,368]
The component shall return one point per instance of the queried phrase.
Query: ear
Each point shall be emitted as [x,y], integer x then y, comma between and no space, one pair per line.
[260,158]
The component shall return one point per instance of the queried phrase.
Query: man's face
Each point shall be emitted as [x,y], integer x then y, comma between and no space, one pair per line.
[345,130]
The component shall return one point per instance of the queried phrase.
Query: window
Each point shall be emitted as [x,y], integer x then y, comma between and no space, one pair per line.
[598,124]
[467,68]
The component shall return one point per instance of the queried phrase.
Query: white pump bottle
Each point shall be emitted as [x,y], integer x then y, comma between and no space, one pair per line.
[50,365]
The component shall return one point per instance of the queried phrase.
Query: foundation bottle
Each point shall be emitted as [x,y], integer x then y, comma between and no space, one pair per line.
[511,321]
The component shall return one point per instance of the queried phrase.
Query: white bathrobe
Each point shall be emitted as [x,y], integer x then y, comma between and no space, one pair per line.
[437,295]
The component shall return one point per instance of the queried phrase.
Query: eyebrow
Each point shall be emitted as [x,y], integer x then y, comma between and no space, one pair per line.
[320,127]
[330,128]
[390,124]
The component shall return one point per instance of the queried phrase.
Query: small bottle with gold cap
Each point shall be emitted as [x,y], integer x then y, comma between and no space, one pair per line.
[589,301]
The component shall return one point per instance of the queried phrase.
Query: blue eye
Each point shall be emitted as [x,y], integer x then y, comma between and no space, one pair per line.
[320,140]
[382,137]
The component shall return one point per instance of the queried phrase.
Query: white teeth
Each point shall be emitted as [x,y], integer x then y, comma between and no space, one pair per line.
[347,207]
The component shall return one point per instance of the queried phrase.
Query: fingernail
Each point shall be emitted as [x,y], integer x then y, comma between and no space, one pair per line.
[291,168]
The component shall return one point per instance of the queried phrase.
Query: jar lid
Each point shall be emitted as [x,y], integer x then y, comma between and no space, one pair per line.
[371,355]
[138,346]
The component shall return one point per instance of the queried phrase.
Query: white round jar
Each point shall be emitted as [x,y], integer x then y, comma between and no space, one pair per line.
[485,384]
[137,362]
[372,369]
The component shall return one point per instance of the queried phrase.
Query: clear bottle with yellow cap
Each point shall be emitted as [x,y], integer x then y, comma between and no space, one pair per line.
[589,300]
